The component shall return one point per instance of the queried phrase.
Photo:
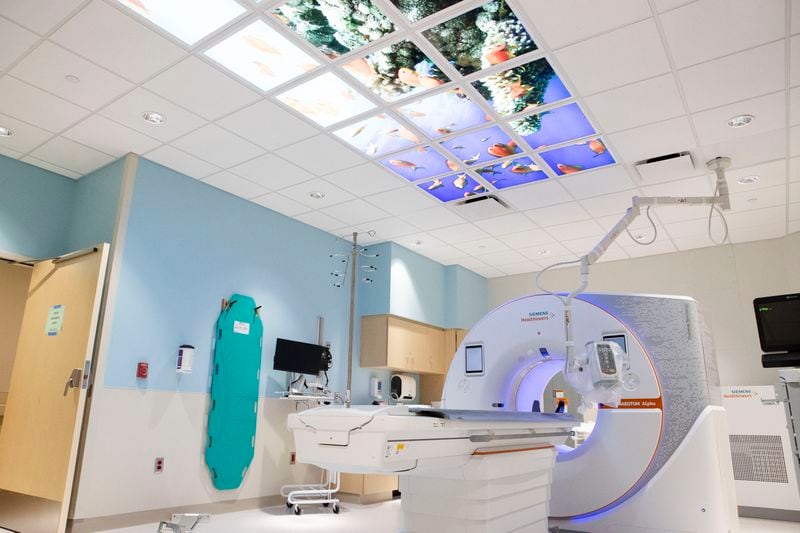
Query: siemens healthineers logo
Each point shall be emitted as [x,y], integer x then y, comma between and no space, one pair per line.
[536,316]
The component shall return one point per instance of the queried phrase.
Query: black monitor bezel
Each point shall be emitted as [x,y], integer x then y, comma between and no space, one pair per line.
[772,299]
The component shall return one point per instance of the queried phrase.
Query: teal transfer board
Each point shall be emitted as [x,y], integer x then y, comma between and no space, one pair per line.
[234,392]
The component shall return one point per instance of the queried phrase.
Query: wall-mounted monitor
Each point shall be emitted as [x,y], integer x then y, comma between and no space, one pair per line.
[300,357]
[778,321]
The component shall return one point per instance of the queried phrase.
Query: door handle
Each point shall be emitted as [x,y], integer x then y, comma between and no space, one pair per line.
[73,381]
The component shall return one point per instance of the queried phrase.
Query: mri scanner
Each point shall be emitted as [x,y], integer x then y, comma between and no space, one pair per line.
[657,461]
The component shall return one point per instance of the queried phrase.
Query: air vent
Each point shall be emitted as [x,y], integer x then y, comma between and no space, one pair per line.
[666,167]
[758,458]
[481,207]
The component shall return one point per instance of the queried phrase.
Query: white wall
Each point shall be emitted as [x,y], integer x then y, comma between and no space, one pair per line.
[723,279]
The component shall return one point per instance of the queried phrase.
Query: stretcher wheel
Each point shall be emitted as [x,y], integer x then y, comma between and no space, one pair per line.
[297,510]
[289,505]
[326,504]
[335,508]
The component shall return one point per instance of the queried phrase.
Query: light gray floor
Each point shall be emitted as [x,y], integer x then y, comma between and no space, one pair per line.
[376,518]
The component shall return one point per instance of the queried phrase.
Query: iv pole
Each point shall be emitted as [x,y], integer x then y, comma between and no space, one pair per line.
[353,257]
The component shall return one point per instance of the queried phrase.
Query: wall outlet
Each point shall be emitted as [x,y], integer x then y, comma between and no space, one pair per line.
[292,458]
[158,466]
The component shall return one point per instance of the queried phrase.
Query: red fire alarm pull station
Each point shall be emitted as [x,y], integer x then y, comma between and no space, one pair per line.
[141,370]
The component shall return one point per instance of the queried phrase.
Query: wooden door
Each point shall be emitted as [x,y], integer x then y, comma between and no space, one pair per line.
[47,394]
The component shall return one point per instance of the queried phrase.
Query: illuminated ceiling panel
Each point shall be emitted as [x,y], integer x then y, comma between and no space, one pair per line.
[554,126]
[488,35]
[481,146]
[419,163]
[378,135]
[579,156]
[455,187]
[397,71]
[512,172]
[326,100]
[183,19]
[335,27]
[444,113]
[415,10]
[262,56]
[522,88]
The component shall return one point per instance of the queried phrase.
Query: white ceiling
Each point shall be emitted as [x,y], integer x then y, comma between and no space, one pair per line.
[654,77]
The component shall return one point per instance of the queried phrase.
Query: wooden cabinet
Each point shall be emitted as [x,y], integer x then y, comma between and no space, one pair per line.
[397,343]
[432,385]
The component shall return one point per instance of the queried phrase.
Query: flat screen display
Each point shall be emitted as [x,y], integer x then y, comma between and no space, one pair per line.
[474,359]
[298,357]
[778,321]
[619,338]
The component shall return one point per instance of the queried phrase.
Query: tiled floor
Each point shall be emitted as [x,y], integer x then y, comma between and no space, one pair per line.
[377,518]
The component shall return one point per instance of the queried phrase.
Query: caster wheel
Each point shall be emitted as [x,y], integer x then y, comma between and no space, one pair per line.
[325,504]
[289,505]
[335,508]
[297,510]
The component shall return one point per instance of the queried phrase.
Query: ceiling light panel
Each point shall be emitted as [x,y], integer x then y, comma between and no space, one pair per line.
[554,126]
[455,187]
[326,100]
[183,19]
[262,56]
[481,146]
[522,88]
[419,163]
[488,35]
[378,135]
[512,172]
[578,156]
[333,27]
[399,70]
[416,11]
[444,113]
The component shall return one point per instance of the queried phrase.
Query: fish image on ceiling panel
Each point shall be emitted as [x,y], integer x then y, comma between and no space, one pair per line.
[262,56]
[182,19]
[488,35]
[326,100]
[335,27]
[579,156]
[378,135]
[512,172]
[416,10]
[554,126]
[419,163]
[444,113]
[455,187]
[399,70]
[481,145]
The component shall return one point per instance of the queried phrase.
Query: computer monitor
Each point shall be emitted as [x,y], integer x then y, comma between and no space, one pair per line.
[778,321]
[300,357]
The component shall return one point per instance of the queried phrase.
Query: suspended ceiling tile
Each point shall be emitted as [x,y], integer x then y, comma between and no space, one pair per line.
[355,212]
[267,125]
[63,73]
[707,29]
[419,242]
[609,204]
[402,201]
[746,151]
[235,185]
[71,155]
[609,221]
[446,255]
[579,247]
[669,214]
[488,272]
[794,141]
[539,194]
[597,182]
[526,239]
[498,259]
[470,262]
[670,136]
[794,192]
[666,5]
[587,63]
[769,174]
[585,18]
[14,42]
[52,168]
[506,224]
[756,217]
[613,254]
[794,66]
[40,16]
[390,228]
[699,186]
[8,152]
[794,169]
[484,246]
[794,106]
[281,204]
[459,233]
[198,86]
[112,39]
[657,248]
[320,155]
[129,110]
[692,229]
[636,104]
[575,230]
[25,102]
[364,180]
[180,161]
[737,77]
[302,193]
[543,252]
[433,218]
[217,146]
[769,112]
[25,138]
[320,220]
[692,243]
[761,198]
[110,137]
[272,172]
[558,214]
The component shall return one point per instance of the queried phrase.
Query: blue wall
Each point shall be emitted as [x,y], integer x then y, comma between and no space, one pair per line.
[189,245]
[35,209]
[94,207]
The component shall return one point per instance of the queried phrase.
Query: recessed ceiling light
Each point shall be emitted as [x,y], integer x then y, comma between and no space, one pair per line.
[747,180]
[5,132]
[72,78]
[154,117]
[417,243]
[317,195]
[544,252]
[740,121]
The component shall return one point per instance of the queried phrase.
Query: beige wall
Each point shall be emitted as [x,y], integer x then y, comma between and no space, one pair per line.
[14,281]
[723,279]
